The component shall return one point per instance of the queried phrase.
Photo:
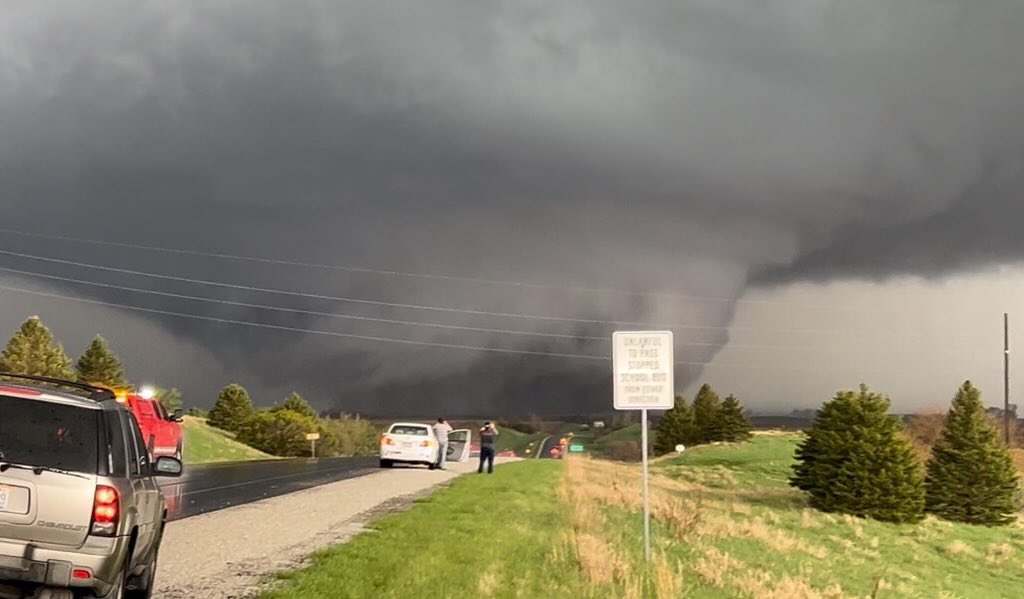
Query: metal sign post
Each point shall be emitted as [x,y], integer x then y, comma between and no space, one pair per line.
[643,368]
[312,437]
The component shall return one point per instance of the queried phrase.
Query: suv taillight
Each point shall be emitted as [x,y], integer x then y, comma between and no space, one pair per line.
[106,510]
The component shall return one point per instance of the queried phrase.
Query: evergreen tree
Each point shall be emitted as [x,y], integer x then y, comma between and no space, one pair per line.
[675,427]
[295,403]
[32,350]
[283,433]
[232,410]
[705,414]
[99,366]
[971,477]
[732,425]
[856,460]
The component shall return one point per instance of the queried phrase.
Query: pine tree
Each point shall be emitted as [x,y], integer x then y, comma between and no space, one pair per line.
[232,410]
[732,425]
[32,350]
[297,404]
[856,460]
[283,433]
[971,476]
[705,414]
[676,427]
[99,366]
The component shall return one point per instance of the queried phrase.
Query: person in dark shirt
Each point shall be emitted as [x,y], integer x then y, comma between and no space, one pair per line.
[487,438]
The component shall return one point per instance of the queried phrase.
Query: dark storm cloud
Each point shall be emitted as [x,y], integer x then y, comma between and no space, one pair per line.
[677,146]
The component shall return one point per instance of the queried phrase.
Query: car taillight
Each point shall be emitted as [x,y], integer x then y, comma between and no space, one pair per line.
[106,511]
[386,440]
[426,443]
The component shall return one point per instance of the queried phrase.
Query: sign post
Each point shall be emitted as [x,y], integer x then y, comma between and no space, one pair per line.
[312,438]
[643,368]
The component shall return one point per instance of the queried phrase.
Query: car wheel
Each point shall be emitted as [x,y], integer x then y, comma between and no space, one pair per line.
[142,587]
[431,466]
[386,463]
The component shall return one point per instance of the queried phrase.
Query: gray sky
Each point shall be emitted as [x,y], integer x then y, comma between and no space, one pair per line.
[773,152]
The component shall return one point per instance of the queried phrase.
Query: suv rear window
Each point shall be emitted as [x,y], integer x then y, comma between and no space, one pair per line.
[409,430]
[35,432]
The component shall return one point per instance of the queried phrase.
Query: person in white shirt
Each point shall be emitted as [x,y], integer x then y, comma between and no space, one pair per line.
[441,430]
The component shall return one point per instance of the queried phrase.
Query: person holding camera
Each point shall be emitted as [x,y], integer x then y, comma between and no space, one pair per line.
[488,435]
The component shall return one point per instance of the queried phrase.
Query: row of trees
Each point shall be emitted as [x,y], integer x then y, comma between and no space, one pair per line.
[33,350]
[708,420]
[281,430]
[856,459]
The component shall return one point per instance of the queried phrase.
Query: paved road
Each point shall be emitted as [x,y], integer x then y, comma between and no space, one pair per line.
[544,451]
[205,488]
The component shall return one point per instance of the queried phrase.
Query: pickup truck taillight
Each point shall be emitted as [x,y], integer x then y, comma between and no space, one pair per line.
[105,511]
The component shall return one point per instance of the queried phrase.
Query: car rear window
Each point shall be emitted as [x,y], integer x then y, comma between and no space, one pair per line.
[34,432]
[409,430]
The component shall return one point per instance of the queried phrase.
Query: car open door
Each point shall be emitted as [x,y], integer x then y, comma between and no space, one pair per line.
[458,445]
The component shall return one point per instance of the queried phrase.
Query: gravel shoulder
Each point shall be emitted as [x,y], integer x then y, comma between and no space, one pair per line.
[229,553]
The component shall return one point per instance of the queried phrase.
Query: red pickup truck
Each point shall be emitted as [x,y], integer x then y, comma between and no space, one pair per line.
[162,431]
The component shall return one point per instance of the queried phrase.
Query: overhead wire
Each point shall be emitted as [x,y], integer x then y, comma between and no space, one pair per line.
[411,342]
[414,275]
[443,309]
[239,304]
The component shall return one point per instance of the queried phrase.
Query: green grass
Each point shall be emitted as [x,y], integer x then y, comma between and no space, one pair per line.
[204,444]
[482,535]
[753,536]
[933,559]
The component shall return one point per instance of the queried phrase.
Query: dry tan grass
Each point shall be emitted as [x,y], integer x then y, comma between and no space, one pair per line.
[667,578]
[600,562]
[809,520]
[998,553]
[715,566]
[488,583]
[758,529]
[957,548]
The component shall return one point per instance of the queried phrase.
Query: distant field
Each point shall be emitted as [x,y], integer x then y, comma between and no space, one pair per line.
[725,525]
[204,444]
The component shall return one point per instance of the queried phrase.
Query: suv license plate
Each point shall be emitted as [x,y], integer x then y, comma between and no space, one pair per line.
[4,494]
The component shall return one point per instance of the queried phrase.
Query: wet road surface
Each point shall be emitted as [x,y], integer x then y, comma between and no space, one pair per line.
[209,487]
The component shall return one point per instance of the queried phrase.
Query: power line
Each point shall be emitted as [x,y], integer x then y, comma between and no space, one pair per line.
[409,306]
[300,330]
[417,343]
[380,320]
[299,311]
[413,275]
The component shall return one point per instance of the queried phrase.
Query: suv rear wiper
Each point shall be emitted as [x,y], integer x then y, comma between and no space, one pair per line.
[38,470]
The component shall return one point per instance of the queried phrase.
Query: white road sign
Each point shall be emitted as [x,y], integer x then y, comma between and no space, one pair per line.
[644,370]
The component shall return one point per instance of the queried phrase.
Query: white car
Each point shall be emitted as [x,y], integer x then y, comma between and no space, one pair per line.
[415,443]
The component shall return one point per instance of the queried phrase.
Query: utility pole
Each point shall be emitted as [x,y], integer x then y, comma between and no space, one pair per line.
[1006,376]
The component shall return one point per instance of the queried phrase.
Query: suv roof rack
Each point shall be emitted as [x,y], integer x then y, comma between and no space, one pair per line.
[95,393]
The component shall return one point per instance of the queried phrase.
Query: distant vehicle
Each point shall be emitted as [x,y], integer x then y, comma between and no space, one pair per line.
[415,443]
[162,431]
[81,514]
